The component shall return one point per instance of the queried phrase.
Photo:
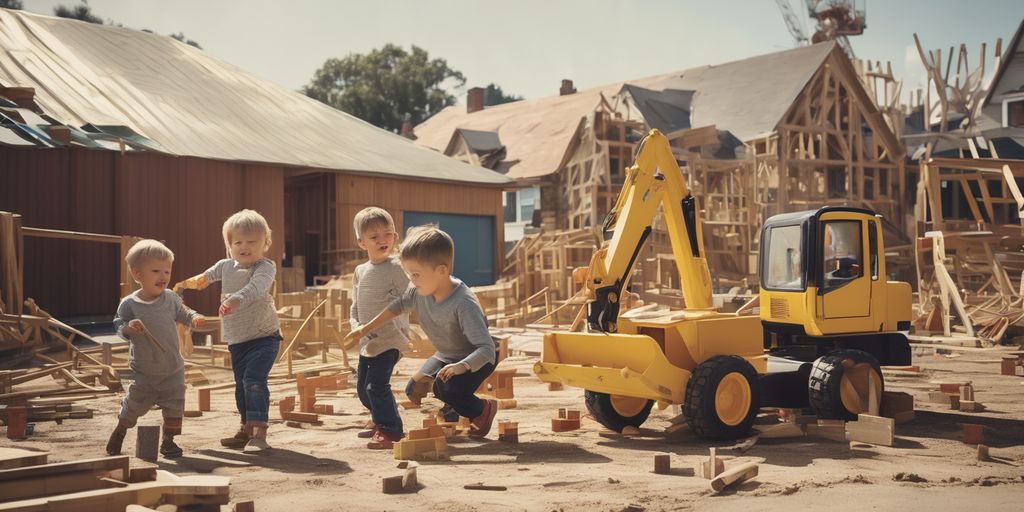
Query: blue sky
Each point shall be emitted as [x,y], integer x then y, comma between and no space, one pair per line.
[528,46]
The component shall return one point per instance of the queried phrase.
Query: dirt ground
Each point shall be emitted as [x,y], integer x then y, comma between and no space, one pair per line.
[327,468]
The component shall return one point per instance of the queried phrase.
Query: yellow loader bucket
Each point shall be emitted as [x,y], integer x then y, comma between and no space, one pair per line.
[618,364]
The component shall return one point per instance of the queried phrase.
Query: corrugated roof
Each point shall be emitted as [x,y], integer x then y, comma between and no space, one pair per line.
[193,104]
[746,97]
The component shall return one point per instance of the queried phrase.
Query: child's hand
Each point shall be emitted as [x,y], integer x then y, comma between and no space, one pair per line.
[452,370]
[134,327]
[198,322]
[228,307]
[353,336]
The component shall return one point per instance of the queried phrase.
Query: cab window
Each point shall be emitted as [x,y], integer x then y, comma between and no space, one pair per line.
[782,265]
[843,254]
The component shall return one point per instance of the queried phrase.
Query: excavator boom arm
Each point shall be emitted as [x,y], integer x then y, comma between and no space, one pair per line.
[654,179]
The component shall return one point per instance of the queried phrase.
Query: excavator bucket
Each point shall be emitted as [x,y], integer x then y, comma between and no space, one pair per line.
[618,364]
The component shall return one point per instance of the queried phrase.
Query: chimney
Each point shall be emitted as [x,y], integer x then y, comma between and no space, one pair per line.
[475,100]
[567,87]
[407,130]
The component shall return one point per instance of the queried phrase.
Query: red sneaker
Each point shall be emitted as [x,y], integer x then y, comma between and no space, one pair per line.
[382,441]
[481,425]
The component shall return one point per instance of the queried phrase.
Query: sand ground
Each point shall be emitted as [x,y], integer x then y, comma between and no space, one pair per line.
[326,468]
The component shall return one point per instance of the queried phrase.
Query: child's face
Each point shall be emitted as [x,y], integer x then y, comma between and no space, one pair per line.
[378,240]
[248,247]
[426,277]
[153,275]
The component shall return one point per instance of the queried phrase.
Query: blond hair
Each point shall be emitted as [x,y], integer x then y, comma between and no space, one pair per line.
[428,244]
[371,216]
[145,250]
[246,221]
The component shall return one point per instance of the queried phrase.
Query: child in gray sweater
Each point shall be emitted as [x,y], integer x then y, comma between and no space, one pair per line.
[375,284]
[146,320]
[249,321]
[453,320]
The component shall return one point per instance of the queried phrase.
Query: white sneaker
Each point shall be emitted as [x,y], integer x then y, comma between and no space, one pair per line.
[256,445]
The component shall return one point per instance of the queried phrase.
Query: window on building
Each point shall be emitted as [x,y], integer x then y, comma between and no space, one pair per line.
[1015,114]
[509,203]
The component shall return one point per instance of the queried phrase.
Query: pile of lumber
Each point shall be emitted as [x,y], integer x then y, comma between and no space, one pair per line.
[29,483]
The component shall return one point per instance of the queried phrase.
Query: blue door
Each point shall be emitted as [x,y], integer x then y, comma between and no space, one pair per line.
[474,243]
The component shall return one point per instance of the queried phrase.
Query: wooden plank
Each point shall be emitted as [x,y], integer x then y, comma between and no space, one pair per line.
[871,430]
[11,458]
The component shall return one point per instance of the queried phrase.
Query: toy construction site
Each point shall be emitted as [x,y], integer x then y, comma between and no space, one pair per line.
[787,280]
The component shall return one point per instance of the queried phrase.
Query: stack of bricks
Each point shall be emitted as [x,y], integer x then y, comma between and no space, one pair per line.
[499,385]
[508,432]
[568,419]
[287,409]
[423,444]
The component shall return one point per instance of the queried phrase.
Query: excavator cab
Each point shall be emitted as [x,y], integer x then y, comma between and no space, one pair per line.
[823,278]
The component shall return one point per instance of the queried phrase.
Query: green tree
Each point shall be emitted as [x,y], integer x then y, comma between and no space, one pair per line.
[78,12]
[386,86]
[10,4]
[493,95]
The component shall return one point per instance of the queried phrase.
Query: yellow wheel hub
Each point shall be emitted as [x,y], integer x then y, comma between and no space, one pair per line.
[858,382]
[628,406]
[732,399]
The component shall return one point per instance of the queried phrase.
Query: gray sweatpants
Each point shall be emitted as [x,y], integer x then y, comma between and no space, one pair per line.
[166,391]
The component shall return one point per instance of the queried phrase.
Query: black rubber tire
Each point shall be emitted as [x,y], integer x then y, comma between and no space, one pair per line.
[826,375]
[599,405]
[699,408]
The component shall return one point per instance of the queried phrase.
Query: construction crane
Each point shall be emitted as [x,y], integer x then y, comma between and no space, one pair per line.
[834,20]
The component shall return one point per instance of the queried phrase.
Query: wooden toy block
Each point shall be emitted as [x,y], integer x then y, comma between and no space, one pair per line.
[970,406]
[147,442]
[393,484]
[555,386]
[307,401]
[17,421]
[953,388]
[204,399]
[938,397]
[983,453]
[245,506]
[301,417]
[434,448]
[710,468]
[828,429]
[508,403]
[192,413]
[871,430]
[287,404]
[954,402]
[429,421]
[142,473]
[561,413]
[898,406]
[323,408]
[564,424]
[418,433]
[662,464]
[1008,365]
[973,433]
[967,393]
[735,475]
[508,431]
[573,414]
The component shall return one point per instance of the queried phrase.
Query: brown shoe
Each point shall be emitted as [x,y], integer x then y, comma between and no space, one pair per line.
[481,425]
[115,441]
[371,429]
[239,440]
[382,441]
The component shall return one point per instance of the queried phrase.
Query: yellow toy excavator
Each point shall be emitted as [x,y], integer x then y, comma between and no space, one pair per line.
[828,317]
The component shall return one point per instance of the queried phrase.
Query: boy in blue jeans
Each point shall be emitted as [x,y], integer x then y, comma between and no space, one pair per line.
[249,321]
[453,320]
[375,284]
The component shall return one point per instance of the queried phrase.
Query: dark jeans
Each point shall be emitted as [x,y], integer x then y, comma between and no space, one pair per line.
[373,384]
[251,360]
[459,391]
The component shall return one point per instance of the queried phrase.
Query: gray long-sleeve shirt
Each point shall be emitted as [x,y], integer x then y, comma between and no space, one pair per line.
[255,316]
[159,317]
[456,326]
[374,287]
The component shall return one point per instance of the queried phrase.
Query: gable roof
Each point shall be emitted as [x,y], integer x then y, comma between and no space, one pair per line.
[747,97]
[192,104]
[667,110]
[1005,62]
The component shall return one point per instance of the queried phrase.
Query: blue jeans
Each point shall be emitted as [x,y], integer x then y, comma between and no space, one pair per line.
[460,391]
[373,384]
[251,360]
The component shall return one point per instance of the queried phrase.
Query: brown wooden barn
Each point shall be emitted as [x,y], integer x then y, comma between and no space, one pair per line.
[111,130]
